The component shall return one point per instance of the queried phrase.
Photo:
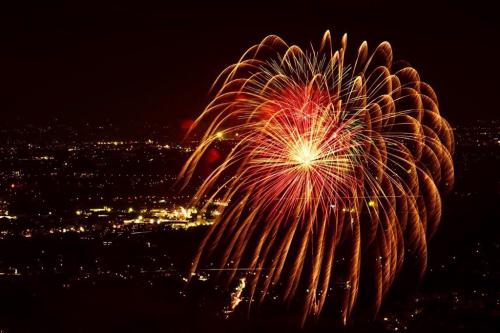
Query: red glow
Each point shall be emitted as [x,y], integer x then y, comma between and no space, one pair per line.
[213,155]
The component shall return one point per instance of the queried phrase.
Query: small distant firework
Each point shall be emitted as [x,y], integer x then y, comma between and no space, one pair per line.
[332,159]
[236,297]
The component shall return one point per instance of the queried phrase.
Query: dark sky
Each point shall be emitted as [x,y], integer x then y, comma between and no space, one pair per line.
[155,62]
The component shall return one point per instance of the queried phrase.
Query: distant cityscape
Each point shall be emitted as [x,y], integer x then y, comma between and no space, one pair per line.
[98,203]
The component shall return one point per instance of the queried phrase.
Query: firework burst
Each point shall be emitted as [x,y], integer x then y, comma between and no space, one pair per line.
[328,156]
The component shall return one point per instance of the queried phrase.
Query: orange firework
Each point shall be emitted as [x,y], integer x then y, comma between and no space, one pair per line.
[328,155]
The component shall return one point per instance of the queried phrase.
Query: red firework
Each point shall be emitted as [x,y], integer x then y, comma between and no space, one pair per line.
[329,156]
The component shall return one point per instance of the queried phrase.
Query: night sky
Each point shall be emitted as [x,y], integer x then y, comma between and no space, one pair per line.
[86,62]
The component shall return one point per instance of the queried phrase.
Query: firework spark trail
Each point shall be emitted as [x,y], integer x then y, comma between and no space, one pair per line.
[328,155]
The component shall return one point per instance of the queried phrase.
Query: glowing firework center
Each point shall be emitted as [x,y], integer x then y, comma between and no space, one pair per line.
[304,155]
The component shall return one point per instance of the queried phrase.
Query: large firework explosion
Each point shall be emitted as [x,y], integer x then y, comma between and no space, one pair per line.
[330,156]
